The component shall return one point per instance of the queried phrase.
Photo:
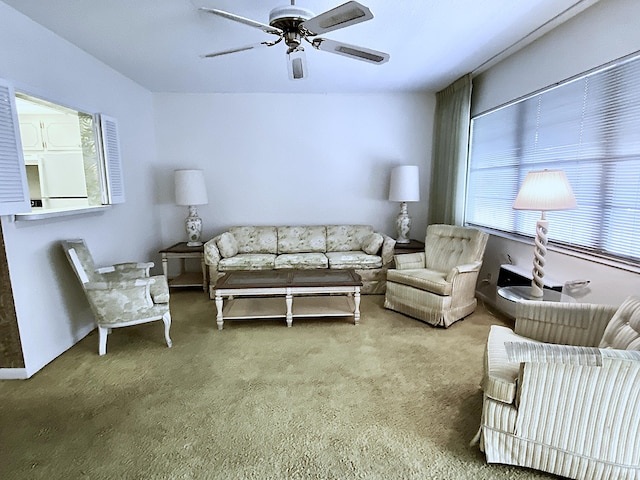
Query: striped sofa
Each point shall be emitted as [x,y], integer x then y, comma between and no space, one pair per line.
[561,393]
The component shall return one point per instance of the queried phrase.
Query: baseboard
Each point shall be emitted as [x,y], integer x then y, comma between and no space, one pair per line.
[13,374]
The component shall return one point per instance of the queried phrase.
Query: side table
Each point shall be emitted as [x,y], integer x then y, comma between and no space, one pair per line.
[508,297]
[183,252]
[413,246]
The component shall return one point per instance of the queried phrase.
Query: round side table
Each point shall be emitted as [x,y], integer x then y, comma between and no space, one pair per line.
[508,296]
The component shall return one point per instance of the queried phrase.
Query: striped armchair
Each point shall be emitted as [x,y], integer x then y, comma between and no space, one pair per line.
[562,392]
[438,286]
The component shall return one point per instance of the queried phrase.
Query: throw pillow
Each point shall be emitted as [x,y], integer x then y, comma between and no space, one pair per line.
[227,244]
[623,330]
[372,243]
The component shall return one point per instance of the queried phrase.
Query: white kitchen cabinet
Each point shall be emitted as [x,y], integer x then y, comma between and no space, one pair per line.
[41,133]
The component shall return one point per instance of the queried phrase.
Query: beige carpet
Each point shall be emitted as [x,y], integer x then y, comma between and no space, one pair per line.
[392,398]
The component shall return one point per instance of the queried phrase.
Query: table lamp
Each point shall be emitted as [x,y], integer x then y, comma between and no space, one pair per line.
[543,190]
[404,187]
[190,191]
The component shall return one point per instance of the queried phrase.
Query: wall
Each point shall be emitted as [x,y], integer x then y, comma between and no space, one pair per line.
[292,159]
[51,310]
[602,33]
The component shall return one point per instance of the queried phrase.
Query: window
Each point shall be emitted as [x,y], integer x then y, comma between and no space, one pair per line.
[589,127]
[54,158]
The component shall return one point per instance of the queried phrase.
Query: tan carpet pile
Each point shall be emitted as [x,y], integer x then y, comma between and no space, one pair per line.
[392,398]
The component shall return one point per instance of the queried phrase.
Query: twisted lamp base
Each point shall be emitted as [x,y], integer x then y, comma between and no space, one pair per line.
[540,250]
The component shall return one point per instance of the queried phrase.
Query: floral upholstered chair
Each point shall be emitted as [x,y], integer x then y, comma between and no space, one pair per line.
[120,295]
[438,286]
[562,391]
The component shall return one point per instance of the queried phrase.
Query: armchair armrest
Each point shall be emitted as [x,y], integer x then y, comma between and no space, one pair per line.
[562,406]
[127,270]
[123,284]
[118,301]
[563,323]
[388,245]
[519,352]
[467,268]
[408,261]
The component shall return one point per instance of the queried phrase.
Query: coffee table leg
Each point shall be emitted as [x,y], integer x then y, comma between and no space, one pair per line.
[289,301]
[356,311]
[219,319]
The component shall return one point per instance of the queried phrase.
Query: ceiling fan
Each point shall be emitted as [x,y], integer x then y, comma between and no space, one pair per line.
[294,24]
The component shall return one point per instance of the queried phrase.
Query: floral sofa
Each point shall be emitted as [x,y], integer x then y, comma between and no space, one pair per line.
[313,246]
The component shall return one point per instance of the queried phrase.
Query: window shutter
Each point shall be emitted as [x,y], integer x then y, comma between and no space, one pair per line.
[14,189]
[112,160]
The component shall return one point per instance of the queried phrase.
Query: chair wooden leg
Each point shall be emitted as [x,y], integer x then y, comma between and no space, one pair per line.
[104,332]
[166,318]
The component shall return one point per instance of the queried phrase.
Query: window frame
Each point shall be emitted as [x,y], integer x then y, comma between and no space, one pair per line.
[519,168]
[12,161]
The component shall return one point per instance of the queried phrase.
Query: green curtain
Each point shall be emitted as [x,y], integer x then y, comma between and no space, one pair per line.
[449,159]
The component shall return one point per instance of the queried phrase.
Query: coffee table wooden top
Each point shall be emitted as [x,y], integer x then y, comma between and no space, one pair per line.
[288,278]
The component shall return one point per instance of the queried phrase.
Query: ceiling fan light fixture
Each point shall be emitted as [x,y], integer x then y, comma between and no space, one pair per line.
[297,64]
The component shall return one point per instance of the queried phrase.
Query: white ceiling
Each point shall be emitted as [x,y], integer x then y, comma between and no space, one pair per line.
[158,43]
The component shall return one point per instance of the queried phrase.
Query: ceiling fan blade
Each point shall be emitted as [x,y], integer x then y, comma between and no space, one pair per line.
[297,64]
[351,51]
[237,49]
[246,21]
[342,16]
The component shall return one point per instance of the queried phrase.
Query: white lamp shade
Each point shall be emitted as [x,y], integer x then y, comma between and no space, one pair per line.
[545,190]
[405,184]
[190,187]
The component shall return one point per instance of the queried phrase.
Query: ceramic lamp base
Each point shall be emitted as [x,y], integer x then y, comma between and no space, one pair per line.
[193,226]
[403,224]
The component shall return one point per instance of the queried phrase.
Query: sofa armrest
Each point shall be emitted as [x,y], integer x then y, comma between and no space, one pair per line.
[211,253]
[388,244]
[408,261]
[563,323]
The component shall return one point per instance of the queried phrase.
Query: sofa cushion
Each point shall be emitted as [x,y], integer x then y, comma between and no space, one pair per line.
[353,259]
[346,238]
[227,245]
[623,330]
[301,260]
[499,381]
[248,261]
[422,279]
[372,243]
[306,239]
[256,239]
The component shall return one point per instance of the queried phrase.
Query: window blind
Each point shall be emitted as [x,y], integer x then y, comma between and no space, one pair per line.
[589,127]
